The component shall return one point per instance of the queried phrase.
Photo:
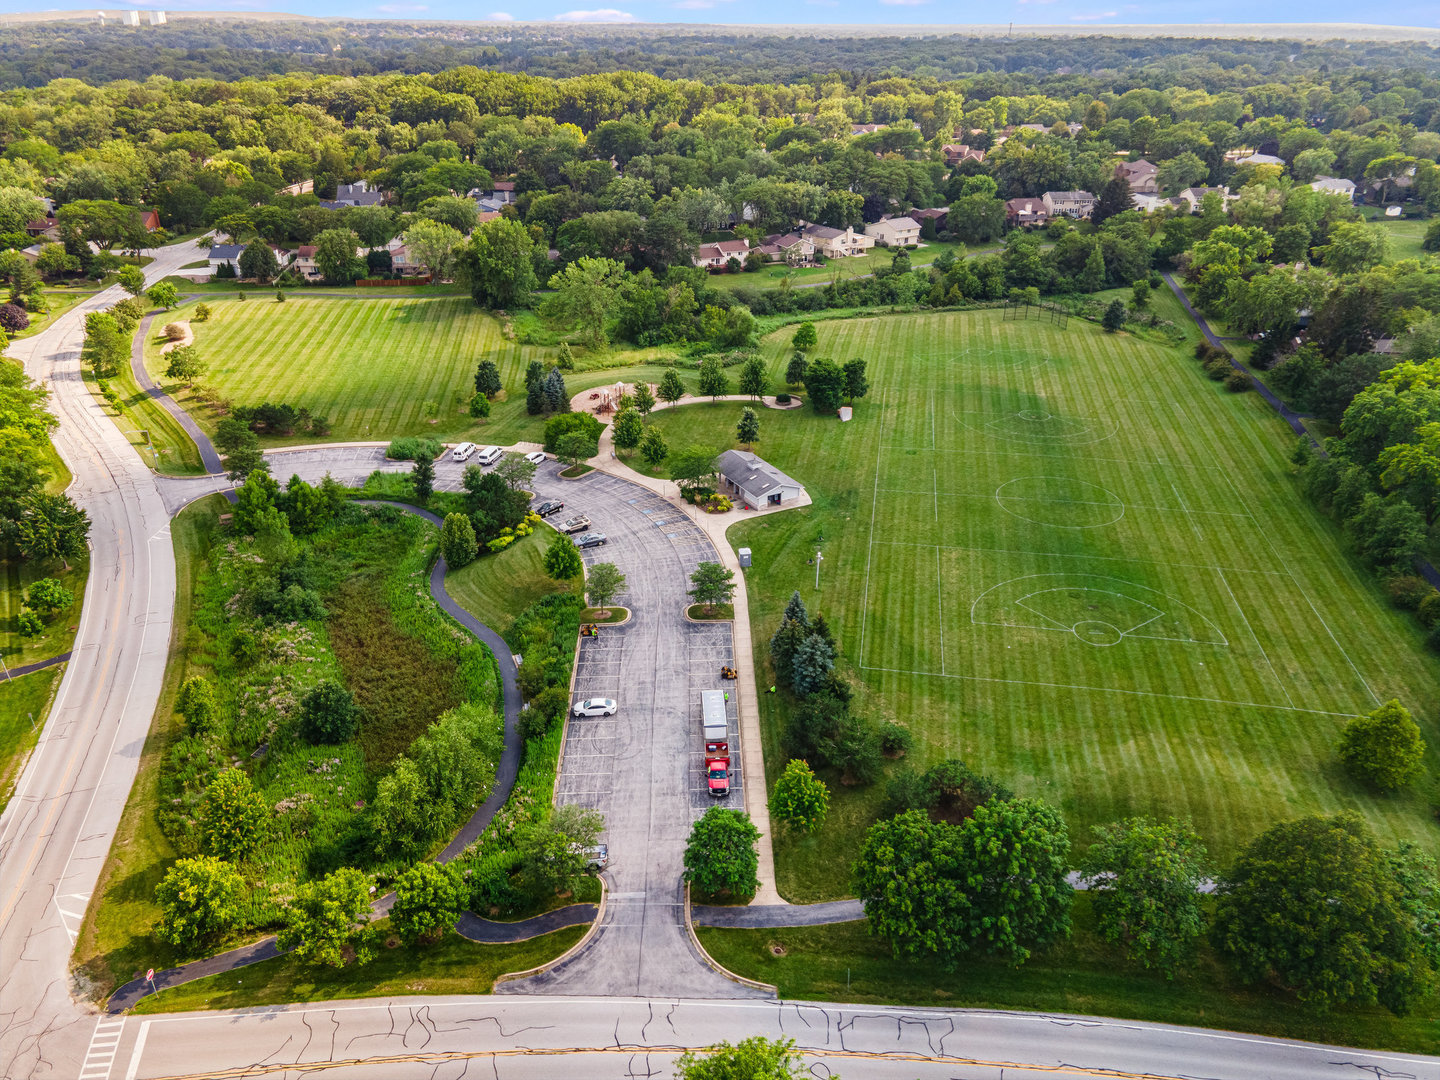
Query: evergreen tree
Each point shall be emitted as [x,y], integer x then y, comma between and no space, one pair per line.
[1092,277]
[1114,317]
[795,370]
[423,477]
[795,609]
[487,378]
[534,373]
[557,399]
[748,429]
[811,665]
[1114,199]
[856,384]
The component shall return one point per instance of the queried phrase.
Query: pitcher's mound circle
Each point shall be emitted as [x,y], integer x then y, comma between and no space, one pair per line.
[1094,632]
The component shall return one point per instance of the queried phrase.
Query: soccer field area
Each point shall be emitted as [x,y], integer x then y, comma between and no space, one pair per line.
[1069,559]
[376,367]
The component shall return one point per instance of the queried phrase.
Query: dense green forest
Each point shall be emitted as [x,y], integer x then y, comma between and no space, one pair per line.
[32,54]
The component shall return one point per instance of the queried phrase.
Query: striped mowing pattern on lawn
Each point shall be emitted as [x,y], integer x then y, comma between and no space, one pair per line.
[370,365]
[1068,558]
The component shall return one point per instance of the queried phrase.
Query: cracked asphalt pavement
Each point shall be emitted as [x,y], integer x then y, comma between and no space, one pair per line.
[512,1038]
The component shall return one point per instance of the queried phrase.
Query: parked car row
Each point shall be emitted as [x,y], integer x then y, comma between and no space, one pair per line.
[486,456]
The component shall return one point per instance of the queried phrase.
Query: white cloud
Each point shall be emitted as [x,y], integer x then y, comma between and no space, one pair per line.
[694,5]
[904,3]
[598,15]
[1093,17]
[500,16]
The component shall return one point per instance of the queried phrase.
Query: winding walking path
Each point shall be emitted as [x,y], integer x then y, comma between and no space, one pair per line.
[208,454]
[470,926]
[1289,415]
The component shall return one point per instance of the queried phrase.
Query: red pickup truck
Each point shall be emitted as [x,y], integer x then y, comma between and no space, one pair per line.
[717,768]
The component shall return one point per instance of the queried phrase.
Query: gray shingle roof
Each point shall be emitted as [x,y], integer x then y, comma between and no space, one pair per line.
[752,473]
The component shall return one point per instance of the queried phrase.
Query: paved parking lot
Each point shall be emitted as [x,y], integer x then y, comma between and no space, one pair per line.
[643,767]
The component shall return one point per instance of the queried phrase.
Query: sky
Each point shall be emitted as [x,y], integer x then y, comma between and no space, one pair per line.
[1078,13]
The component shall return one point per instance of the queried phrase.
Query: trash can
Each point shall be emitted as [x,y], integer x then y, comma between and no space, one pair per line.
[744,554]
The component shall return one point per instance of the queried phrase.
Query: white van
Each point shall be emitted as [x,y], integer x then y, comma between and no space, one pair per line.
[463,451]
[490,455]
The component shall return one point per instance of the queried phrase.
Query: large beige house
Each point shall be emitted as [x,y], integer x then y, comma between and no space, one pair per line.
[895,231]
[837,243]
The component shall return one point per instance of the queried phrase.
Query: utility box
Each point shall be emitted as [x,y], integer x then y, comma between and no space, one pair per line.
[744,554]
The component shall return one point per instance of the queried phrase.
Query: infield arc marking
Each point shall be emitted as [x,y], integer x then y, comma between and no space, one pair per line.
[1063,602]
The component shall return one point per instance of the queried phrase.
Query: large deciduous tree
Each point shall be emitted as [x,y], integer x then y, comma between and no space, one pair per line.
[335,256]
[329,916]
[586,292]
[199,897]
[428,901]
[1384,748]
[720,856]
[434,245]
[1314,905]
[498,264]
[825,383]
[1145,878]
[712,584]
[994,885]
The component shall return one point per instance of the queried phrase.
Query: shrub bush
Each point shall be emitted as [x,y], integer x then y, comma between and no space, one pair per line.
[1237,381]
[328,714]
[413,448]
[1383,749]
[1429,609]
[13,318]
[174,332]
[545,711]
[1408,591]
[562,424]
[782,398]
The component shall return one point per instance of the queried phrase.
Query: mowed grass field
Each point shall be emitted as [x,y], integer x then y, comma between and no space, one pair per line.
[377,367]
[1071,560]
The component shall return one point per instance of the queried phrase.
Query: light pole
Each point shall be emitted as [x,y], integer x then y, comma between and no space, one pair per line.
[818,559]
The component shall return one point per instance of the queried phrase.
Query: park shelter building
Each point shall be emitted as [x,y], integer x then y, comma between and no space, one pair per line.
[756,481]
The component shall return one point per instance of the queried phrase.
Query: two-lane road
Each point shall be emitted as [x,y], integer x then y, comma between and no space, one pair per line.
[57,829]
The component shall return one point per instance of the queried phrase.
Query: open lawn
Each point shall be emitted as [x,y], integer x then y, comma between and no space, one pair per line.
[1080,975]
[496,588]
[377,368]
[774,275]
[451,966]
[1068,558]
[1406,234]
[21,701]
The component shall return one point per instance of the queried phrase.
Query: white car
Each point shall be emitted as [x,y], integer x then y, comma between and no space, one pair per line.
[595,706]
[535,457]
